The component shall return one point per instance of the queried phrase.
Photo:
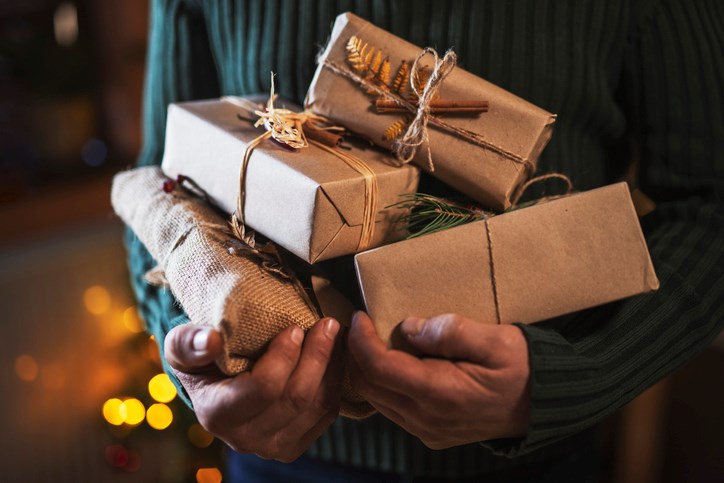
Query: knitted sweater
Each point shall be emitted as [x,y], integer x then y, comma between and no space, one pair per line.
[618,73]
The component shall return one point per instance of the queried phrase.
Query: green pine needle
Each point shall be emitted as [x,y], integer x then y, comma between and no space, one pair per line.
[428,214]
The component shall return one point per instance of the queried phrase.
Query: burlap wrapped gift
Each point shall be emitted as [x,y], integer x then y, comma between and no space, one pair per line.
[215,278]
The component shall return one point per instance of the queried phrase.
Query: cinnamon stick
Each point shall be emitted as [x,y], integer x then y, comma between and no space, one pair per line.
[436,107]
[328,138]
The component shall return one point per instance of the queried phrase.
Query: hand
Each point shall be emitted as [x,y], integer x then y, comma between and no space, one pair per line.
[472,387]
[279,407]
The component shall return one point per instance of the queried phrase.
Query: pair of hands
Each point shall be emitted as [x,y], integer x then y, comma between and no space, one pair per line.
[471,383]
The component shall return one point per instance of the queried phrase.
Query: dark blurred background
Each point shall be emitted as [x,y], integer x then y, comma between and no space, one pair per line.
[80,398]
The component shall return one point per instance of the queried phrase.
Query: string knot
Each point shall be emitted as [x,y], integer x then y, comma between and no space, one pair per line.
[416,135]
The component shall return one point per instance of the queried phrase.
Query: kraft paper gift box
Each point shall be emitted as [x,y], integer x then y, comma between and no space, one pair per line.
[539,262]
[306,200]
[515,130]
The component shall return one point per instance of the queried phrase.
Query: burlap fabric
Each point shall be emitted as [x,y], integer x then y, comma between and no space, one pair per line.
[207,270]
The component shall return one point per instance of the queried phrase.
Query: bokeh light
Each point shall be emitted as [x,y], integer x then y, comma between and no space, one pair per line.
[65,24]
[117,455]
[114,411]
[135,411]
[26,368]
[199,437]
[94,152]
[97,300]
[161,388]
[132,321]
[159,416]
[208,475]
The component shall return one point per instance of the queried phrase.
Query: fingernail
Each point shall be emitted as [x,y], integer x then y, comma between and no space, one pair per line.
[356,316]
[297,335]
[331,327]
[200,341]
[412,326]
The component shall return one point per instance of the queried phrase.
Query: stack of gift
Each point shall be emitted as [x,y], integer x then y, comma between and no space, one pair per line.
[311,183]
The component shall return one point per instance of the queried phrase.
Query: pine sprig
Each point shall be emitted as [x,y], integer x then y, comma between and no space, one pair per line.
[428,214]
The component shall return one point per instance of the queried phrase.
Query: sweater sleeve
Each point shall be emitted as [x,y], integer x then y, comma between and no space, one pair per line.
[587,366]
[179,67]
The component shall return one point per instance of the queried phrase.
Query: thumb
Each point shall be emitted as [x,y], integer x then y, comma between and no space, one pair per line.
[189,348]
[449,335]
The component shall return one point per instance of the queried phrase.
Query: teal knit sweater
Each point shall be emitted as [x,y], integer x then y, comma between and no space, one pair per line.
[618,73]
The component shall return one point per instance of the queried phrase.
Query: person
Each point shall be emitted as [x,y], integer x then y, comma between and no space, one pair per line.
[513,403]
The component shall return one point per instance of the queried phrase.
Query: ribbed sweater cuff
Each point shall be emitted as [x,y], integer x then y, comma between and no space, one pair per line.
[549,420]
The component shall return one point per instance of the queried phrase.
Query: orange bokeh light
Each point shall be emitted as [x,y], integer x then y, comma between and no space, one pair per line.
[26,368]
[97,300]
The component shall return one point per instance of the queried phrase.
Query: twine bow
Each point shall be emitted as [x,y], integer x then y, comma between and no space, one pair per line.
[416,135]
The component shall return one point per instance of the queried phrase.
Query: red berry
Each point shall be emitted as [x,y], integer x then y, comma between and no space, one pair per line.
[169,185]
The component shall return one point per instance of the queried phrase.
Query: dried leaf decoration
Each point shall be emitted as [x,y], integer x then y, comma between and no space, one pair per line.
[420,80]
[397,129]
[369,62]
[374,66]
[401,84]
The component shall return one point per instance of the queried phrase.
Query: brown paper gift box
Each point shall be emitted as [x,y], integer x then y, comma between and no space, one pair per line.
[511,123]
[308,201]
[549,259]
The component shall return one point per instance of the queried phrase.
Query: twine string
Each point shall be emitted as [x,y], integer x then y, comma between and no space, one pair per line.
[489,234]
[400,150]
[416,134]
[494,282]
[524,187]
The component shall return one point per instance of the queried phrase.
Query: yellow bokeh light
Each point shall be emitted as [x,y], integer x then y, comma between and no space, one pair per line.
[161,388]
[97,300]
[135,411]
[199,437]
[132,321]
[208,475]
[159,416]
[114,411]
[26,368]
